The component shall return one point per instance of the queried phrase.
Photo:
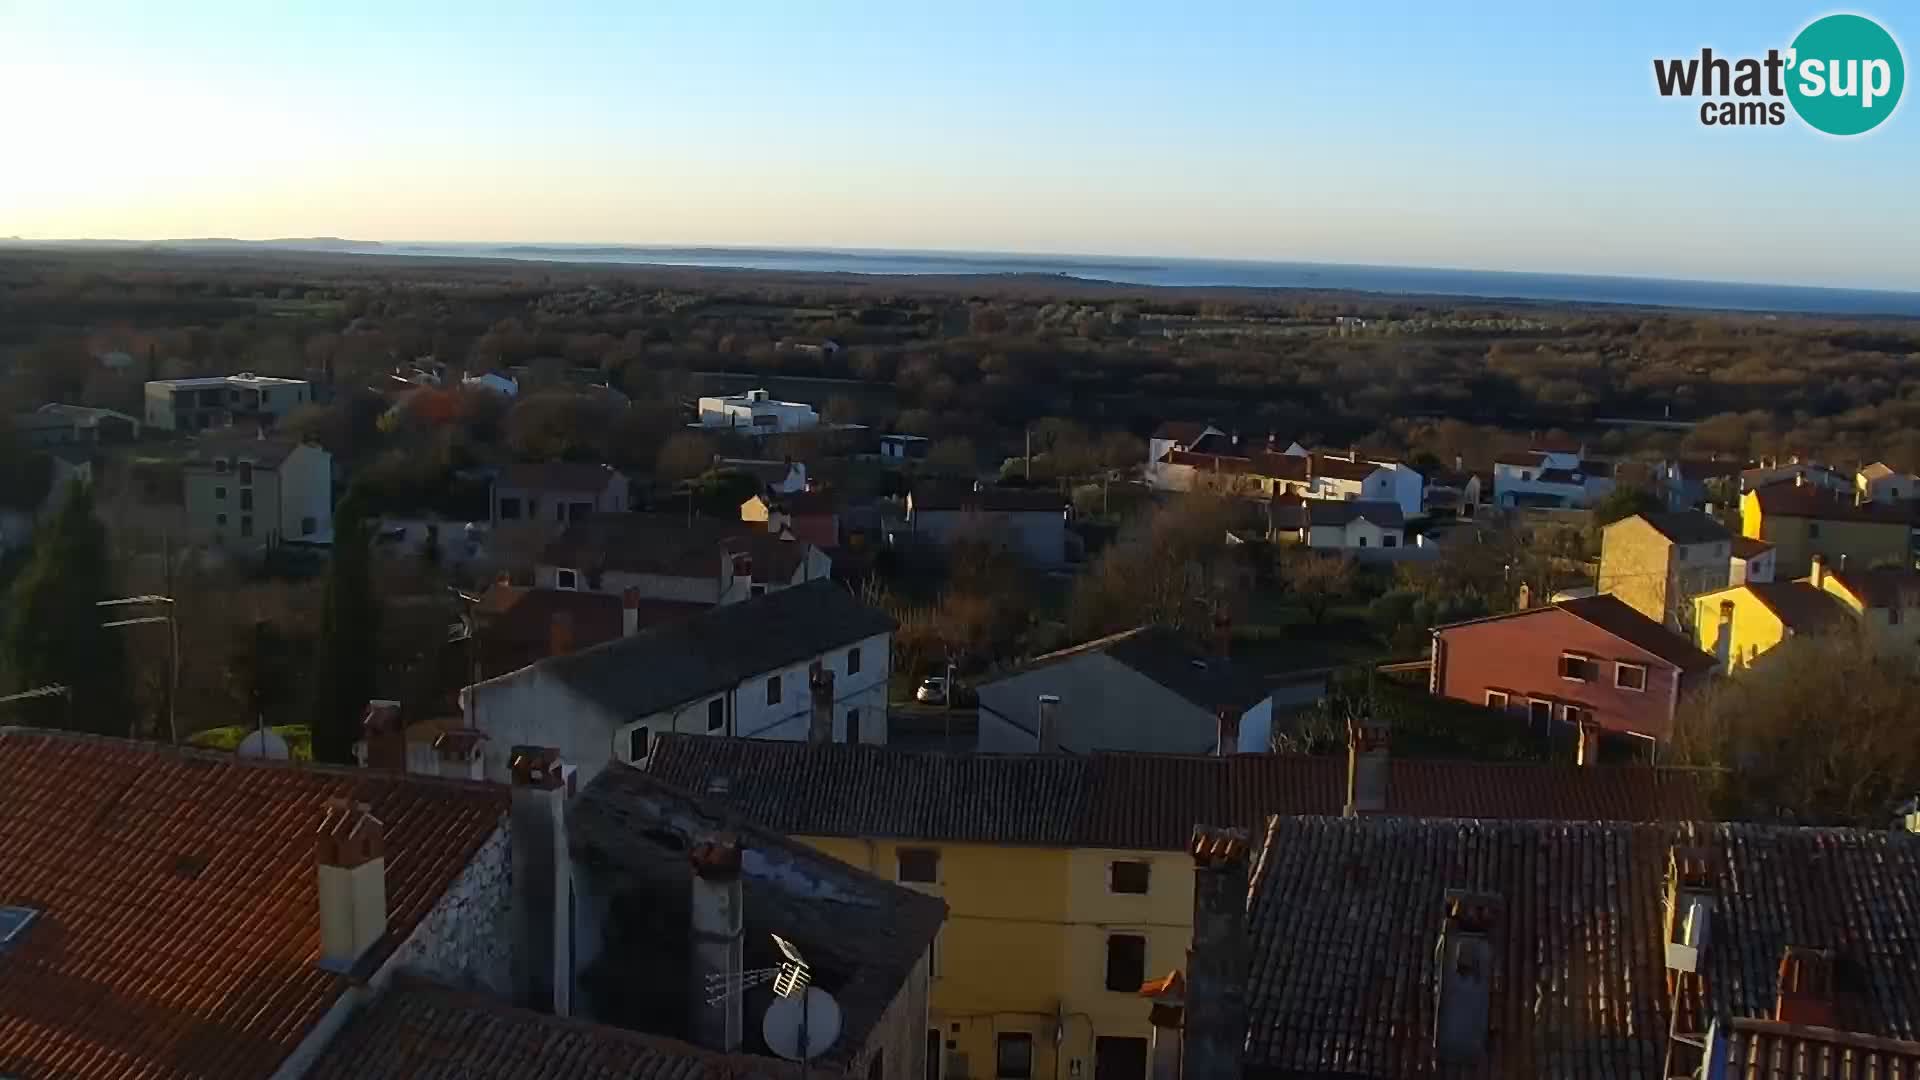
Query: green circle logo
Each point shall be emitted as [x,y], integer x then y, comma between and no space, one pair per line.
[1845,74]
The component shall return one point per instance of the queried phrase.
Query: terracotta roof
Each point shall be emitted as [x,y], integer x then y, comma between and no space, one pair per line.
[1709,469]
[1777,1051]
[671,545]
[557,476]
[1607,612]
[1183,432]
[862,935]
[179,931]
[1886,588]
[263,453]
[996,500]
[1344,916]
[1820,504]
[416,1029]
[1685,527]
[1340,468]
[516,624]
[1747,548]
[1879,470]
[1800,606]
[1139,801]
[1342,512]
[1290,467]
[668,665]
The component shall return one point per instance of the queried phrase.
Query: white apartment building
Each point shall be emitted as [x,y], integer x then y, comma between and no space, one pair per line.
[757,413]
[221,400]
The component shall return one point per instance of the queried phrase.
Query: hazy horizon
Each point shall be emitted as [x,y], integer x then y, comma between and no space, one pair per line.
[1505,138]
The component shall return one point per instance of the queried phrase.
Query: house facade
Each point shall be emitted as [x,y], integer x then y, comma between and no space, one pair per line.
[667,557]
[222,400]
[1550,478]
[1803,519]
[739,669]
[1657,563]
[1067,876]
[55,424]
[1030,523]
[757,413]
[810,517]
[247,494]
[1592,660]
[1324,525]
[1752,560]
[1741,623]
[1880,482]
[556,494]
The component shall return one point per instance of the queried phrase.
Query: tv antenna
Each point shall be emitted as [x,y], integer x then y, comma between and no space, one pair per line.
[803,1020]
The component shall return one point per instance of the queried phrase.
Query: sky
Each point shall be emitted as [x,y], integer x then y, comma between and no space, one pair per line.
[1489,135]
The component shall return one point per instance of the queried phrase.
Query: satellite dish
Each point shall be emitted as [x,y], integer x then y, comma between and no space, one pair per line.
[263,744]
[781,1026]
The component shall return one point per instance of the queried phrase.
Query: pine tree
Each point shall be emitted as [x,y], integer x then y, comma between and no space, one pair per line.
[52,632]
[349,632]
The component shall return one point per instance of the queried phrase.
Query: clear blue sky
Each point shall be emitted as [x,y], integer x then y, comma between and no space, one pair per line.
[1497,135]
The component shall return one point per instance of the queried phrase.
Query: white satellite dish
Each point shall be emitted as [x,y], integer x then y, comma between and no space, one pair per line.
[781,1026]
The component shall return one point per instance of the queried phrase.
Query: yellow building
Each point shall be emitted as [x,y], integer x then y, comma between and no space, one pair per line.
[1067,876]
[1802,520]
[1739,624]
[1657,563]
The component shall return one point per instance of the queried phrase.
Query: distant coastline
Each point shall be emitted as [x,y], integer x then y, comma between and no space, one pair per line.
[1488,285]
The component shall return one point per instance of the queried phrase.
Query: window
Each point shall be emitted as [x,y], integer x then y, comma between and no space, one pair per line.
[1497,699]
[1539,711]
[1630,676]
[1119,1058]
[1363,541]
[1013,1056]
[219,519]
[1577,668]
[1525,475]
[1813,530]
[1576,714]
[773,690]
[639,743]
[564,578]
[756,589]
[716,715]
[1126,962]
[853,660]
[1128,876]
[1389,541]
[509,509]
[219,465]
[1893,616]
[853,725]
[919,865]
[246,472]
[246,498]
[308,526]
[246,525]
[220,493]
[579,511]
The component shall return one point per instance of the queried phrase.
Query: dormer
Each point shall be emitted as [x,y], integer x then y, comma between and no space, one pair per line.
[1690,904]
[1806,989]
[1467,957]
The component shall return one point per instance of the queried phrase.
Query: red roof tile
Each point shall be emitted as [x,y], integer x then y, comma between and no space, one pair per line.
[1609,613]
[179,932]
[1820,504]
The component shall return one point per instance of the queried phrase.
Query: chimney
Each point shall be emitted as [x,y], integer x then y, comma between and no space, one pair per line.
[503,579]
[1226,728]
[1723,637]
[1587,750]
[1215,1032]
[1525,598]
[461,754]
[383,742]
[630,612]
[542,904]
[560,634]
[1691,900]
[1799,479]
[350,858]
[820,727]
[718,924]
[1806,988]
[1046,720]
[1459,463]
[1464,1000]
[1819,575]
[1167,1016]
[1368,765]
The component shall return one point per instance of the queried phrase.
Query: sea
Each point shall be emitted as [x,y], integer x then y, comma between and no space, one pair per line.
[1217,273]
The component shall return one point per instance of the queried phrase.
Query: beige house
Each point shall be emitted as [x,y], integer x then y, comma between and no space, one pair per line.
[245,494]
[1657,563]
[1878,482]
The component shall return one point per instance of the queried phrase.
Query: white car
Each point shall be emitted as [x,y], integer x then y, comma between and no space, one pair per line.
[933,690]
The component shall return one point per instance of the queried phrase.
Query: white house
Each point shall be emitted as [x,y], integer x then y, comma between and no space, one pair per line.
[740,670]
[757,413]
[1327,525]
[673,557]
[1145,690]
[1029,523]
[1879,482]
[504,385]
[221,400]
[1177,435]
[1556,477]
[253,493]
[1751,562]
[1352,477]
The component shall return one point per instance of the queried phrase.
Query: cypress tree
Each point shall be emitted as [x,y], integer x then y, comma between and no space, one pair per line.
[349,630]
[52,632]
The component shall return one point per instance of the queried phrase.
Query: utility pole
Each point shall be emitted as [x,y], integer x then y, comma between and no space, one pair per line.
[1029,466]
[173,647]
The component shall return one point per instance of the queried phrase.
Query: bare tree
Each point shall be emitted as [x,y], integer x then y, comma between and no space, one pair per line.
[1317,581]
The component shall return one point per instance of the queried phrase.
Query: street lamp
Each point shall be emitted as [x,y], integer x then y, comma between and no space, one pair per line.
[173,647]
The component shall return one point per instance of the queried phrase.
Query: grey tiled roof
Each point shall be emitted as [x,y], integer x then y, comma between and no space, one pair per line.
[1132,801]
[1687,527]
[1344,916]
[666,665]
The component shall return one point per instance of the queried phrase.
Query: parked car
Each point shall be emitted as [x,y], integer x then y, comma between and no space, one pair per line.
[933,690]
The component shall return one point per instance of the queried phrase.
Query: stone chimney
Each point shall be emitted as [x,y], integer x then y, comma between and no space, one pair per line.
[1046,714]
[383,741]
[1819,574]
[350,859]
[542,905]
[1167,1015]
[1587,749]
[630,612]
[1805,993]
[1525,598]
[718,924]
[820,724]
[1226,731]
[1215,1033]
[1723,637]
[1368,765]
[560,634]
[461,754]
[1464,1000]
